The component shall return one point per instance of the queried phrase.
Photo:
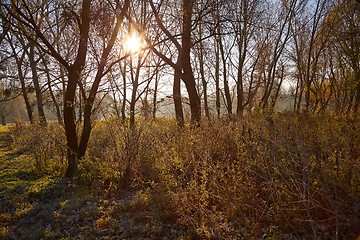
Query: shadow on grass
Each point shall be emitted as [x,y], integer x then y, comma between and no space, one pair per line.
[38,206]
[28,176]
[29,212]
[50,213]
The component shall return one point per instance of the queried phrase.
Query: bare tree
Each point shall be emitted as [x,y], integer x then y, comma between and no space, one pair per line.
[36,81]
[310,41]
[23,14]
[247,17]
[19,57]
[346,39]
[224,51]
[182,67]
[278,35]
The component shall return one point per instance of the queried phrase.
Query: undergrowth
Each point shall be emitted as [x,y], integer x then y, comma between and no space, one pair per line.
[279,176]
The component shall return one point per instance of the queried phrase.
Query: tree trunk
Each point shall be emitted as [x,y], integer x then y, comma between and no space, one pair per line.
[123,105]
[56,104]
[357,98]
[24,89]
[188,76]
[155,94]
[74,72]
[135,83]
[69,123]
[35,78]
[240,96]
[226,82]
[204,82]
[202,72]
[240,88]
[217,81]
[3,122]
[179,114]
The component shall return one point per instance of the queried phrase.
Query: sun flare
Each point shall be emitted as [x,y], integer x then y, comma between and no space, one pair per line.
[133,43]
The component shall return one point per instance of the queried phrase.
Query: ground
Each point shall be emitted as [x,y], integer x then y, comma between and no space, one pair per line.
[46,206]
[277,177]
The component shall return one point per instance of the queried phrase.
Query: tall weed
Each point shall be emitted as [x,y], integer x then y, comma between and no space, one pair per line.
[280,176]
[46,144]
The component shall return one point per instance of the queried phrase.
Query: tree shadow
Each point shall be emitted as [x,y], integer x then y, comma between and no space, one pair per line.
[36,205]
[41,214]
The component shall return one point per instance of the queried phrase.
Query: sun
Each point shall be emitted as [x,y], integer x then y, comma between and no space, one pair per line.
[133,43]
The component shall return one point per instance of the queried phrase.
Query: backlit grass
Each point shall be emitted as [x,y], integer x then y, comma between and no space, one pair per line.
[278,176]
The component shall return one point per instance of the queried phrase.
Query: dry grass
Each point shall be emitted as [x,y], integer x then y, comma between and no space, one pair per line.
[276,177]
